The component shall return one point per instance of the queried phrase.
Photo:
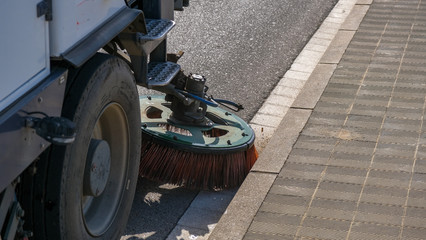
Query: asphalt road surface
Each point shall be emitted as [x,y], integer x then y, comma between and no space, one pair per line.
[243,48]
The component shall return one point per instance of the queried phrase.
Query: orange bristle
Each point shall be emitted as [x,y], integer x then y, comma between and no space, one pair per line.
[195,170]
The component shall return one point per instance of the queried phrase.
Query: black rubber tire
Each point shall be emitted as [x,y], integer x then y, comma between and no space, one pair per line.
[102,82]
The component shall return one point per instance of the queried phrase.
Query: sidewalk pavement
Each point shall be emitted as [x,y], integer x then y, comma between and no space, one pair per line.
[348,160]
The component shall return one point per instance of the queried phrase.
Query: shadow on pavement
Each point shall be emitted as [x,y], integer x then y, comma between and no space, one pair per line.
[156,210]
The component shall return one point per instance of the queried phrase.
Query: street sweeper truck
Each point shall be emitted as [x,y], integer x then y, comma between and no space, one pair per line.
[74,133]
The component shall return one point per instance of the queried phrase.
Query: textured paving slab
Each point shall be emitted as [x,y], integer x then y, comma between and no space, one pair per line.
[357,170]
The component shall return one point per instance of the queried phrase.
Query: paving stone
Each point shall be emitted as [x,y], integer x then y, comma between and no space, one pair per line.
[401,124]
[349,91]
[421,152]
[395,150]
[379,81]
[355,160]
[302,171]
[356,147]
[333,213]
[320,131]
[326,224]
[417,198]
[324,228]
[363,236]
[367,110]
[339,95]
[327,119]
[407,92]
[389,178]
[294,187]
[284,204]
[339,191]
[372,100]
[389,163]
[277,219]
[379,91]
[384,195]
[399,137]
[385,232]
[317,233]
[368,122]
[300,183]
[345,175]
[420,166]
[315,143]
[256,236]
[268,229]
[359,134]
[329,204]
[343,86]
[309,156]
[413,233]
[380,214]
[419,181]
[415,217]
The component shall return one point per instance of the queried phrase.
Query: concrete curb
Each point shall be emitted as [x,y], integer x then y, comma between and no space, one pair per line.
[284,114]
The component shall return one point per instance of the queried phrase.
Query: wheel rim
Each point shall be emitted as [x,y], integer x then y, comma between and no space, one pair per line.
[99,211]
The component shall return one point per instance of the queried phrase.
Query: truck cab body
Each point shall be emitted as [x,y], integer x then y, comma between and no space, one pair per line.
[51,73]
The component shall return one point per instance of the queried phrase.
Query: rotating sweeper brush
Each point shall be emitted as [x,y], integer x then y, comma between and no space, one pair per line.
[187,139]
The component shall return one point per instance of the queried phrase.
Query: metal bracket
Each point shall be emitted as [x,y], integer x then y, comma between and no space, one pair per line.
[44,8]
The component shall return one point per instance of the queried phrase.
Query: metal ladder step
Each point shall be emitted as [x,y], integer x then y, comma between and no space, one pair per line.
[161,73]
[157,31]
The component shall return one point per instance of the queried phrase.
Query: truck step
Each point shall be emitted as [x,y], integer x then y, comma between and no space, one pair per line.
[161,73]
[157,32]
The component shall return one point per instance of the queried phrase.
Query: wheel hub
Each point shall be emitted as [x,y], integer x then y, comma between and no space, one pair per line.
[97,168]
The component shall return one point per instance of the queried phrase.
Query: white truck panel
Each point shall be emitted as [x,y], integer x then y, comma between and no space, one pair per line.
[24,56]
[73,20]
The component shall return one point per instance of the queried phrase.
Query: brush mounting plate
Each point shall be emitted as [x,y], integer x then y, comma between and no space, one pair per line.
[228,132]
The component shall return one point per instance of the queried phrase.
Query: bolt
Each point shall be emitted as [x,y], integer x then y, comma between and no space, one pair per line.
[149,98]
[228,114]
[42,145]
[61,80]
[175,138]
[144,125]
[40,100]
[229,142]
[244,134]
